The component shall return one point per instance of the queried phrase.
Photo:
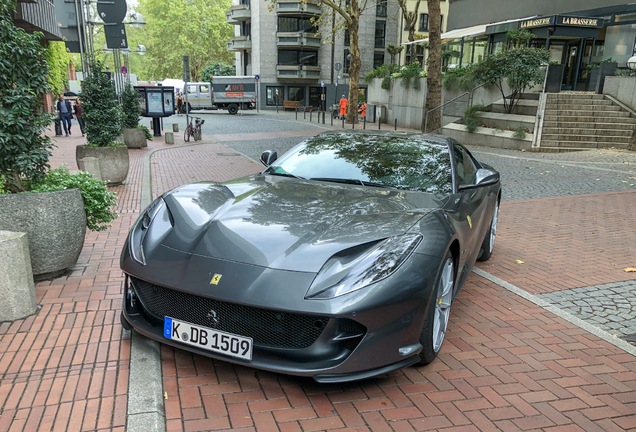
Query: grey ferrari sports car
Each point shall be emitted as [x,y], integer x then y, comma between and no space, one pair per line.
[338,262]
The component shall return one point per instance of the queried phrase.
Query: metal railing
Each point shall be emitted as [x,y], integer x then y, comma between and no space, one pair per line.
[467,104]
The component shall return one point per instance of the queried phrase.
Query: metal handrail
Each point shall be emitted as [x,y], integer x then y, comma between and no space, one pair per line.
[470,99]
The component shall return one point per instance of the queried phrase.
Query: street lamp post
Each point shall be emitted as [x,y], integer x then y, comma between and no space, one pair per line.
[631,62]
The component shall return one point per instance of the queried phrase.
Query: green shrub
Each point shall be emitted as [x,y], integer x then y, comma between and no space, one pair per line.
[102,111]
[520,132]
[472,120]
[146,131]
[130,107]
[98,200]
[24,147]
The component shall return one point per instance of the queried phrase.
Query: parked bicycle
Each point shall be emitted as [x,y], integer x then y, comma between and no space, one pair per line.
[193,130]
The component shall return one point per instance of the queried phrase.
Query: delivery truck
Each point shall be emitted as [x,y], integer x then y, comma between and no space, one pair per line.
[232,93]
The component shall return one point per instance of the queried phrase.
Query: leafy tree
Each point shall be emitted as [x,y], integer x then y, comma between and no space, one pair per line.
[24,148]
[434,68]
[217,68]
[176,28]
[349,12]
[102,110]
[410,17]
[518,67]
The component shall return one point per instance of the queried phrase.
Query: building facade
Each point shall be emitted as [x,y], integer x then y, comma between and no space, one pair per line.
[300,52]
[417,51]
[580,34]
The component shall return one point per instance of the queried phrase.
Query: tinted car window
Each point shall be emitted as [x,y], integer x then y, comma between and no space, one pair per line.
[465,168]
[403,162]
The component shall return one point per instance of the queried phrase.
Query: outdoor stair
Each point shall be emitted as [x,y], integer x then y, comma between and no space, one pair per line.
[583,121]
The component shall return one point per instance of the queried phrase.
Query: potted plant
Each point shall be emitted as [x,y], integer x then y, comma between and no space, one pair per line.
[134,136]
[54,220]
[597,71]
[103,117]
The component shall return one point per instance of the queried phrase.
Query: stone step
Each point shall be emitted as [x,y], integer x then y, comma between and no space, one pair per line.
[585,138]
[587,131]
[623,123]
[584,121]
[583,144]
[548,149]
[574,96]
[583,107]
[580,113]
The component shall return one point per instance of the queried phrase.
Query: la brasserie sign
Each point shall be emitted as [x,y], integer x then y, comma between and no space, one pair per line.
[562,20]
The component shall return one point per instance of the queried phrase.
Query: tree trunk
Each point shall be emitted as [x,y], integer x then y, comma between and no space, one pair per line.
[433,121]
[355,63]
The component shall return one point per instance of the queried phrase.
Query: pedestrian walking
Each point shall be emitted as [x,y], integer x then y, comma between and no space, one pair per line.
[66,114]
[344,103]
[79,115]
[180,103]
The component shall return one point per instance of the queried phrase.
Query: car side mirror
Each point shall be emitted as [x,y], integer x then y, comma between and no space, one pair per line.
[485,177]
[268,157]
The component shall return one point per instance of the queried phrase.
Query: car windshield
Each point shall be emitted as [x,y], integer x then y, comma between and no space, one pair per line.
[402,162]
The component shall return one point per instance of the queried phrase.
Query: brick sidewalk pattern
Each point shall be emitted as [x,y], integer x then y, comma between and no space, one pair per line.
[507,363]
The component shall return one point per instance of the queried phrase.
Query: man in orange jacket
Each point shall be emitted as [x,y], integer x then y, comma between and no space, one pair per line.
[343,107]
[363,110]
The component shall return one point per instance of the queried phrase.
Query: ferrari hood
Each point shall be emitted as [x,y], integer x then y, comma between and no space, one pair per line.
[284,223]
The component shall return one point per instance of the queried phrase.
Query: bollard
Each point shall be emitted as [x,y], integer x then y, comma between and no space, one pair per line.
[296,113]
[310,115]
[395,124]
[379,124]
[331,120]
[169,137]
[175,127]
[343,121]
[364,122]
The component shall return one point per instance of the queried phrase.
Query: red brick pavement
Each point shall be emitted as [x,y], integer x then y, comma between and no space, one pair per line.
[507,364]
[566,242]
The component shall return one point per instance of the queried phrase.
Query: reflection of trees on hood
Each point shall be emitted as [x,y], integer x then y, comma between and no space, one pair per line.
[307,211]
[404,162]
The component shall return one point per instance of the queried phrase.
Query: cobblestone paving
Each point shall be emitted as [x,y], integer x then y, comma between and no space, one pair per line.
[611,307]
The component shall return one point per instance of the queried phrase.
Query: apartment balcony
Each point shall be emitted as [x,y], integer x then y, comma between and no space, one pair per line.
[298,72]
[240,43]
[293,7]
[298,39]
[35,16]
[238,13]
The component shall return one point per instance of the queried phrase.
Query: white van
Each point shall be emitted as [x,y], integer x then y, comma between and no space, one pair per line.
[224,92]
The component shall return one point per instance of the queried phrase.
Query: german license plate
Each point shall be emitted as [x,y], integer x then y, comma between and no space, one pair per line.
[207,338]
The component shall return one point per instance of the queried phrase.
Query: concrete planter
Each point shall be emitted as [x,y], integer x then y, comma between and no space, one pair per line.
[135,138]
[55,224]
[113,161]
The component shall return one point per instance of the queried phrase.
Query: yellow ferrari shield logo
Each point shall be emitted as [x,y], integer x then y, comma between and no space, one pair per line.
[215,279]
[470,222]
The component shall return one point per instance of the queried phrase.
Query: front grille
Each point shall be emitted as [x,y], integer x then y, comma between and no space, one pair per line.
[265,327]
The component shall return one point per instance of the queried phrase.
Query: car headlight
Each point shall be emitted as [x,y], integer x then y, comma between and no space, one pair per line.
[140,229]
[348,272]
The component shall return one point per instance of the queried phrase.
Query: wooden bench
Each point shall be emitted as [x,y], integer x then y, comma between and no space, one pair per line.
[290,104]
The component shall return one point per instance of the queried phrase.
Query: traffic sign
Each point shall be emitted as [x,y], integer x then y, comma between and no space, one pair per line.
[124,70]
[257,77]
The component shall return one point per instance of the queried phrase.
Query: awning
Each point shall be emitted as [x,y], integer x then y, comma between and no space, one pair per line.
[476,30]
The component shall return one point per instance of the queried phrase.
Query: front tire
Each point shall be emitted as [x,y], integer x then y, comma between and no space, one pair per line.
[488,245]
[434,331]
[232,109]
